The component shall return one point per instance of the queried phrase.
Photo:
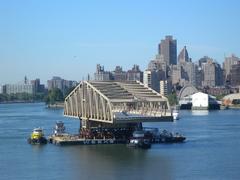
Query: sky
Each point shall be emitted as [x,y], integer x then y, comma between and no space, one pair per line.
[41,39]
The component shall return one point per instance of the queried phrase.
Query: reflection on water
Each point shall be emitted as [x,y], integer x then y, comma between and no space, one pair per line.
[117,162]
[200,112]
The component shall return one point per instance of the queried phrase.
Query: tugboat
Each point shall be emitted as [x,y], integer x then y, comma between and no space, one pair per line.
[139,140]
[37,137]
[58,131]
[168,137]
[59,128]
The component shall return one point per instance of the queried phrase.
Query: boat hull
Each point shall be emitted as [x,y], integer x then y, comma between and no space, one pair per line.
[41,140]
[139,143]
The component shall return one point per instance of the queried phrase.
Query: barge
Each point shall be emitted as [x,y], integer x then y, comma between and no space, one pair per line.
[67,139]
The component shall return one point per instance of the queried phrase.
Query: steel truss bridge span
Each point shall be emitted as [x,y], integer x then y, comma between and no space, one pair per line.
[116,102]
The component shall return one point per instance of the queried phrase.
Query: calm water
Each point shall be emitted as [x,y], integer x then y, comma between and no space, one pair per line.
[212,149]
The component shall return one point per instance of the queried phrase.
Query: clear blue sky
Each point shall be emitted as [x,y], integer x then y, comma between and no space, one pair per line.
[48,38]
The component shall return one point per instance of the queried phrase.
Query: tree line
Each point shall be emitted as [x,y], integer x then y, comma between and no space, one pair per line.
[50,97]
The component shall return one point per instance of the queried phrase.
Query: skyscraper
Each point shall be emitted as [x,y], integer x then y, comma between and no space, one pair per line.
[227,65]
[235,74]
[168,49]
[183,56]
[212,73]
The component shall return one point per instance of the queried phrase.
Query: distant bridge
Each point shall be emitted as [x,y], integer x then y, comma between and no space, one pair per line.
[116,103]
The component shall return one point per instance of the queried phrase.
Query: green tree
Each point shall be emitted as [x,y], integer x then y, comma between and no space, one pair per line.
[69,90]
[172,98]
[54,95]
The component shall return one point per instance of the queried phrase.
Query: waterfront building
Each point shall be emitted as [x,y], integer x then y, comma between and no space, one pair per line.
[168,49]
[62,84]
[135,74]
[55,82]
[231,99]
[101,74]
[227,66]
[19,88]
[202,101]
[38,87]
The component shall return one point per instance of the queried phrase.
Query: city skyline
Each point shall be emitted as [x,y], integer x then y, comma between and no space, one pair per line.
[69,39]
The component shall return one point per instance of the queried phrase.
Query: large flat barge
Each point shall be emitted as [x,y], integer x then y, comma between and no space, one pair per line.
[76,140]
[93,136]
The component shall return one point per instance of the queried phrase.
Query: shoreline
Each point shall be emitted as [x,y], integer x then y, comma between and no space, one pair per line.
[18,102]
[56,105]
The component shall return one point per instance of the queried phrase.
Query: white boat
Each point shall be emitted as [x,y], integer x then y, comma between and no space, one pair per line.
[175,114]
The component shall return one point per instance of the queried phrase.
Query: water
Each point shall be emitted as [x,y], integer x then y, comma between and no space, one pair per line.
[212,149]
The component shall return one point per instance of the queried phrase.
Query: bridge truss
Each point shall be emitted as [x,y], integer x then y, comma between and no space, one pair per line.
[116,102]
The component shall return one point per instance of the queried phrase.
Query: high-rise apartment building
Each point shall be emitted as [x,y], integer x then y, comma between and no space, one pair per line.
[38,87]
[227,65]
[212,73]
[101,75]
[19,88]
[62,84]
[235,75]
[135,74]
[165,87]
[151,79]
[168,49]
[119,74]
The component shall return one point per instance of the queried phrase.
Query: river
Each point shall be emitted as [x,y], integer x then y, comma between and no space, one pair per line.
[212,149]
